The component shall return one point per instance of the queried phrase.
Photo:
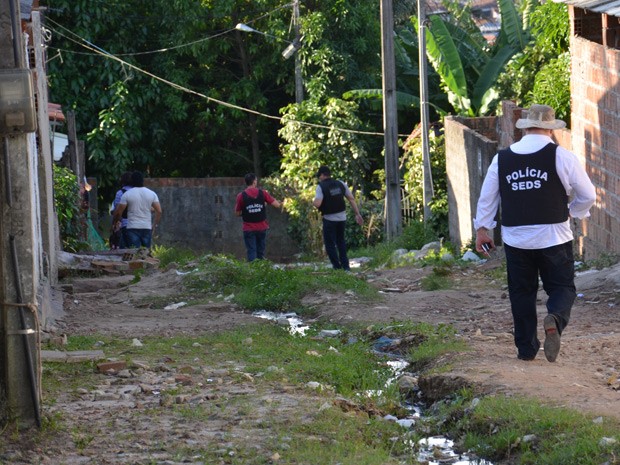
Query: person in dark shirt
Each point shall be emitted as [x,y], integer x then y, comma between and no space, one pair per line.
[330,200]
[250,206]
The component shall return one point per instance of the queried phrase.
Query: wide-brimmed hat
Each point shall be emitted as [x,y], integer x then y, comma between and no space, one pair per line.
[540,116]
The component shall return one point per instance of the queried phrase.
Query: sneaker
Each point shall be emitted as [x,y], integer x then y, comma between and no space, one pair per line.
[552,338]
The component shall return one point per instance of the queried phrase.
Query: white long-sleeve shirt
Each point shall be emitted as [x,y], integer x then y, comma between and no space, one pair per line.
[575,180]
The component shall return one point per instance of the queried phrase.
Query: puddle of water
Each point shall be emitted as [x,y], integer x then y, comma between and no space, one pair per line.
[294,323]
[434,450]
[437,450]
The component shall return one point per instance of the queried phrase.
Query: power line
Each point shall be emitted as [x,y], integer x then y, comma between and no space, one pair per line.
[174,47]
[99,51]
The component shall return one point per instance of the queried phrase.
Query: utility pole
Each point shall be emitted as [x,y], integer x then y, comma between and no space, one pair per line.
[299,82]
[393,216]
[424,118]
[20,229]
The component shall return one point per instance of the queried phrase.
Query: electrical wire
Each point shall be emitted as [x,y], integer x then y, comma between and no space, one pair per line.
[99,51]
[174,47]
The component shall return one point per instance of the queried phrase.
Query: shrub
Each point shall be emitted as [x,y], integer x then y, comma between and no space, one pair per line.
[67,204]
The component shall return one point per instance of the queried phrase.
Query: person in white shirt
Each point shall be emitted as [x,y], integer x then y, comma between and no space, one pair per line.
[139,201]
[539,186]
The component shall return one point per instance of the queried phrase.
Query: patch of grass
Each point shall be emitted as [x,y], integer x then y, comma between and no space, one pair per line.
[137,275]
[81,439]
[439,278]
[604,260]
[261,285]
[379,254]
[168,255]
[439,340]
[272,357]
[498,274]
[346,439]
[522,431]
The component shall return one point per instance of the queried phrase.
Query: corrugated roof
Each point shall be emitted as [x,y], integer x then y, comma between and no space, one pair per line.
[608,7]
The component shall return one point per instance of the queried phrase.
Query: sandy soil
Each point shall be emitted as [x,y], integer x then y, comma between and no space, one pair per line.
[585,376]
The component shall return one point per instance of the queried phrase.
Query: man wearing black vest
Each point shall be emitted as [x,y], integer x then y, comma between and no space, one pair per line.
[329,199]
[539,186]
[250,206]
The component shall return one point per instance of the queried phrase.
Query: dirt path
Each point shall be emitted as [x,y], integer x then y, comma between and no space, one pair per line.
[585,376]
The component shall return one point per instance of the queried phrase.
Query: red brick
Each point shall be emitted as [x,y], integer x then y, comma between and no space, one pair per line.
[114,367]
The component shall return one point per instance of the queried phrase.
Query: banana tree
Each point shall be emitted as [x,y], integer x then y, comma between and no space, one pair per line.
[470,70]
[407,79]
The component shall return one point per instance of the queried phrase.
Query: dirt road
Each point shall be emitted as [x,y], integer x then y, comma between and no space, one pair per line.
[585,376]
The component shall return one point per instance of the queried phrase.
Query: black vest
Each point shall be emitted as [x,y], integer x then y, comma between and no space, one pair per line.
[253,208]
[333,197]
[530,188]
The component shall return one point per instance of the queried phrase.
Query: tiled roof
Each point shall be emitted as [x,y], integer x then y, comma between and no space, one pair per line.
[608,7]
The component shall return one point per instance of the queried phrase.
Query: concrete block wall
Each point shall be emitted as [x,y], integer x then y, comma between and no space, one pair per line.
[469,151]
[198,213]
[595,90]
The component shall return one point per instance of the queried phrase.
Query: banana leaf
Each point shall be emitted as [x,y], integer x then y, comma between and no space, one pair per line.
[489,75]
[512,25]
[444,57]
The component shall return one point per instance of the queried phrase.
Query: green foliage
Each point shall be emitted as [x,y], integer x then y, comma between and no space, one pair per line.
[541,73]
[413,183]
[67,203]
[552,86]
[133,120]
[307,147]
[468,67]
[438,279]
[168,255]
[415,235]
[341,47]
[261,285]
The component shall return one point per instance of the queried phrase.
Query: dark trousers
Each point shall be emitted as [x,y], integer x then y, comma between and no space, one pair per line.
[138,238]
[557,269]
[335,245]
[255,242]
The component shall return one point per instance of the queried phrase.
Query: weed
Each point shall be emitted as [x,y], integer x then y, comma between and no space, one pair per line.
[137,275]
[168,255]
[261,285]
[496,428]
[435,282]
[81,439]
[604,260]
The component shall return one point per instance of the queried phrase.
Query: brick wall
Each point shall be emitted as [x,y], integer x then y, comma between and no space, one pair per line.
[198,213]
[595,90]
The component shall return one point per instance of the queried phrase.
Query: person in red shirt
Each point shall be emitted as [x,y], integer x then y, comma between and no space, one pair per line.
[250,206]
